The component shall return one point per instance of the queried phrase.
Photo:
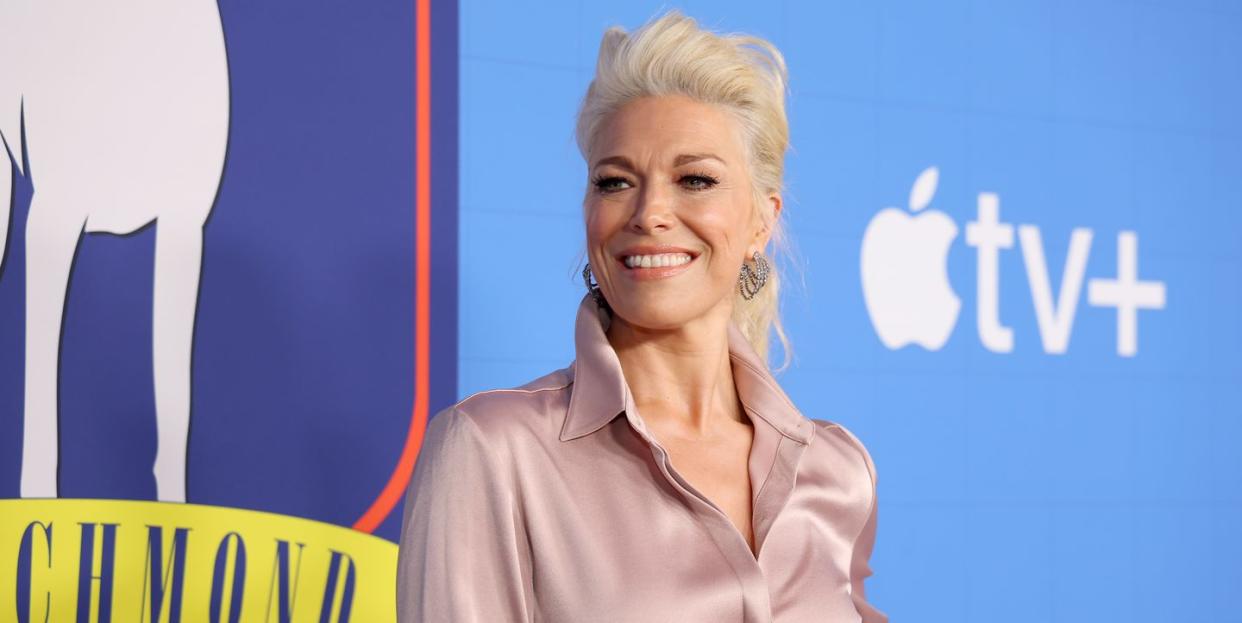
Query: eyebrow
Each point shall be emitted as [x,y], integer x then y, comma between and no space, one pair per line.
[684,158]
[622,161]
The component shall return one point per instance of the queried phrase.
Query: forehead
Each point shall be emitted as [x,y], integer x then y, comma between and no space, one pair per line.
[669,125]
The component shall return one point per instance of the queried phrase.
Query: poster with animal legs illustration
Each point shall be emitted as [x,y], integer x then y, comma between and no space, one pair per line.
[216,300]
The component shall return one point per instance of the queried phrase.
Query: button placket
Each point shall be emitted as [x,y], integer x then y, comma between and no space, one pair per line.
[756,602]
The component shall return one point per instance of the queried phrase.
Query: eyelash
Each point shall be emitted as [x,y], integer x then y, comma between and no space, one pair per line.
[708,180]
[599,181]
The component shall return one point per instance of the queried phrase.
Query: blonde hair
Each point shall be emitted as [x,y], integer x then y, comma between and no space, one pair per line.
[745,75]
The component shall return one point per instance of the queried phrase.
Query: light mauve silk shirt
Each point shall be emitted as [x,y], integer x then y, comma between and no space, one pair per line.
[553,502]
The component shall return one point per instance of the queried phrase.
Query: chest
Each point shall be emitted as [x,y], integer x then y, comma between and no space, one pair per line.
[719,469]
[614,516]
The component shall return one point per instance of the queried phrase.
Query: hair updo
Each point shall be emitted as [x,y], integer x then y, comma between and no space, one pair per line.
[746,76]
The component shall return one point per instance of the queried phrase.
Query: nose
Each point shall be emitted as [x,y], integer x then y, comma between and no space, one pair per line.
[653,210]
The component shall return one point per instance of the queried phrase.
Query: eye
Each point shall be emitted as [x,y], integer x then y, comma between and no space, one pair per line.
[698,181]
[609,184]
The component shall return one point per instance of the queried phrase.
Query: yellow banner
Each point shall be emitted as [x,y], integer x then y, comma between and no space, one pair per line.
[113,560]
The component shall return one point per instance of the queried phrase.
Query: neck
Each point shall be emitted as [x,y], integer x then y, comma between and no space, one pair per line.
[681,379]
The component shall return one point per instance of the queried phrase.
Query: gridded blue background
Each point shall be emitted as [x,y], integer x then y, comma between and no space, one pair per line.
[1016,487]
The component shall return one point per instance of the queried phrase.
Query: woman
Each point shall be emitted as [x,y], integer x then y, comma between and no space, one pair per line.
[664,475]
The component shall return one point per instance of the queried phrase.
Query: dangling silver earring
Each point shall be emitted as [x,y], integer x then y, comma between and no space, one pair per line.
[750,281]
[593,287]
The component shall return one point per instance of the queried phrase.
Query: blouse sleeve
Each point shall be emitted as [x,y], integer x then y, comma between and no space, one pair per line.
[463,554]
[860,567]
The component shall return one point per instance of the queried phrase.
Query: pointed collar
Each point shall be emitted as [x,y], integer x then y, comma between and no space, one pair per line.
[600,393]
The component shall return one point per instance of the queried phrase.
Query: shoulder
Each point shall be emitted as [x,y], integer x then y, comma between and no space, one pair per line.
[502,413]
[838,441]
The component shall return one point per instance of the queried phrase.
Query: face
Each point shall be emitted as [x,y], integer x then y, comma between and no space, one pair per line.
[670,213]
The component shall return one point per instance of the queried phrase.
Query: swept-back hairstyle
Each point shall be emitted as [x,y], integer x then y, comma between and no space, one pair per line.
[743,74]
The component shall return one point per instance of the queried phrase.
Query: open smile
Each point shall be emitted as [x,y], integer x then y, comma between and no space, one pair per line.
[645,263]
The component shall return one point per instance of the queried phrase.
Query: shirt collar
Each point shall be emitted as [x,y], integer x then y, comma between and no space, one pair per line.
[600,393]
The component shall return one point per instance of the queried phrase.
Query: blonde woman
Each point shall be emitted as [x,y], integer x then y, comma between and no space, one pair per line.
[663,475]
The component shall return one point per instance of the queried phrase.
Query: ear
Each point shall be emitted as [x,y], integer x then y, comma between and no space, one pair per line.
[767,218]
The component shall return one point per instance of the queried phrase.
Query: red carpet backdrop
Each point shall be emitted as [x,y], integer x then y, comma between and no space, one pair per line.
[231,292]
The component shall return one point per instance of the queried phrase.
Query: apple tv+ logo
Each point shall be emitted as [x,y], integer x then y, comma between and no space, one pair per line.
[904,261]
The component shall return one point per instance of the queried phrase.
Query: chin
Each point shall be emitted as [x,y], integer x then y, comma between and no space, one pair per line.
[659,311]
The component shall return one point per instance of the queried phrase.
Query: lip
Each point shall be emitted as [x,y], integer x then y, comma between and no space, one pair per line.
[661,272]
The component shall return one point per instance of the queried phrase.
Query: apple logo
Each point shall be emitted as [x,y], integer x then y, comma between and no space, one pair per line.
[904,271]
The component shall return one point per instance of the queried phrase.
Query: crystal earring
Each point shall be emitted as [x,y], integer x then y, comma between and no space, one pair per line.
[593,287]
[750,281]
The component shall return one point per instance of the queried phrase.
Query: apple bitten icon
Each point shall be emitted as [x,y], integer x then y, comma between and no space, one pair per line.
[904,269]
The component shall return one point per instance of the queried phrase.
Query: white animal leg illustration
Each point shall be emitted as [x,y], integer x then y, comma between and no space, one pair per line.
[6,200]
[51,241]
[178,259]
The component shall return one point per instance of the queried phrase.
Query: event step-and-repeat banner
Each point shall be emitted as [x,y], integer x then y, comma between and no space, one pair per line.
[1017,276]
[227,302]
[231,292]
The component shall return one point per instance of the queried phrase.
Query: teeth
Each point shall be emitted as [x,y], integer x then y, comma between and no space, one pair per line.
[656,261]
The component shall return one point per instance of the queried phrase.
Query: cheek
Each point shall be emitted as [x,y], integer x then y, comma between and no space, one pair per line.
[599,223]
[725,229]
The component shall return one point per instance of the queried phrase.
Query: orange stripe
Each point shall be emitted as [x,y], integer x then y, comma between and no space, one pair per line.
[400,477]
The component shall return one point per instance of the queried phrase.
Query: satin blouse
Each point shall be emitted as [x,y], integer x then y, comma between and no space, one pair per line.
[553,502]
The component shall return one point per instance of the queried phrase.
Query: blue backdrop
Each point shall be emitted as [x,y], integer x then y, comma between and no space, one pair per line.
[1027,485]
